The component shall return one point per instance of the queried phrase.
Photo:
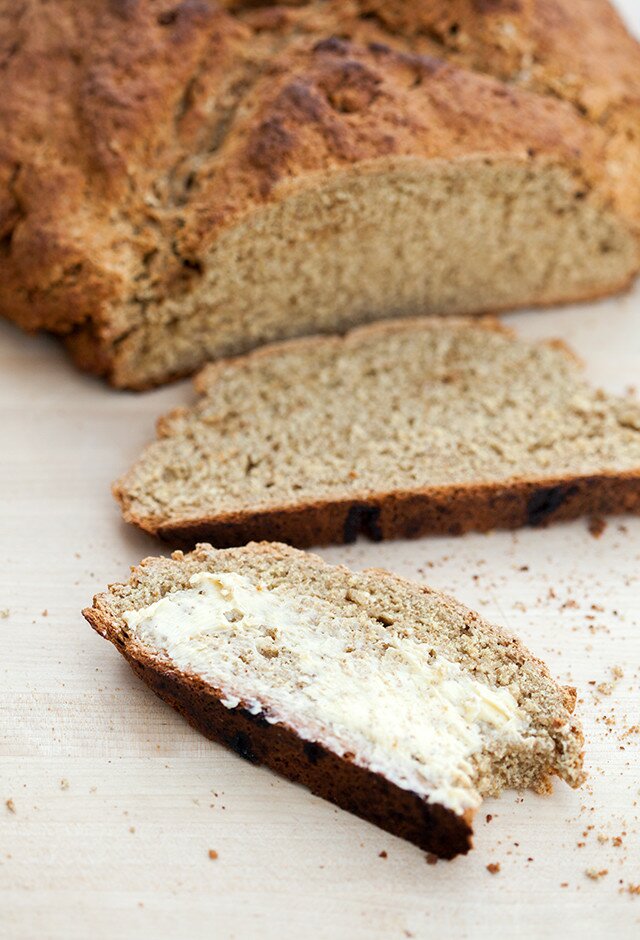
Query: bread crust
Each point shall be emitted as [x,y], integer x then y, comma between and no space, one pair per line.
[372,797]
[166,127]
[451,510]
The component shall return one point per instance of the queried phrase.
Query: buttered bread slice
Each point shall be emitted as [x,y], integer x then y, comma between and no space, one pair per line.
[396,430]
[388,698]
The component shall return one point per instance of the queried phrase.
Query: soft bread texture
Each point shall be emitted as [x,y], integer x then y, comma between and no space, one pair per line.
[396,430]
[260,686]
[188,181]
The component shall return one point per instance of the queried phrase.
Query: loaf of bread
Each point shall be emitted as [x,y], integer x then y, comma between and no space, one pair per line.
[182,181]
[390,699]
[397,430]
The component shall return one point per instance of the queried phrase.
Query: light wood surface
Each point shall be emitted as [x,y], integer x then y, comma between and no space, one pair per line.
[110,803]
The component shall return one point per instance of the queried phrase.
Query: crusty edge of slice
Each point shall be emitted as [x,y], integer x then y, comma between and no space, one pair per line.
[371,796]
[438,510]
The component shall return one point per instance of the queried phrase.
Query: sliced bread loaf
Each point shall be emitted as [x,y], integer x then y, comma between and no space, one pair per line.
[217,176]
[397,429]
[392,700]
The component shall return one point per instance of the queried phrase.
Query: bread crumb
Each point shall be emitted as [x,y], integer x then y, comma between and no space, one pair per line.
[594,874]
[596,526]
[431,859]
[11,806]
[489,817]
[633,889]
[45,612]
[493,868]
[64,784]
[606,688]
[382,854]
[4,613]
[213,854]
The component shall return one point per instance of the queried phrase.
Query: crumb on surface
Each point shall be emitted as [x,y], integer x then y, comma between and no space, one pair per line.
[431,858]
[607,687]
[213,854]
[596,526]
[595,874]
[64,784]
[493,868]
[382,854]
[4,613]
[11,806]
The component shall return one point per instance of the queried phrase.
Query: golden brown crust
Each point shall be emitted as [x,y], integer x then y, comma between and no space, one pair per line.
[578,51]
[135,132]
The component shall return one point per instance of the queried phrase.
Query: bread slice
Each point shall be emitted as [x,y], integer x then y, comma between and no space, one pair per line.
[218,176]
[395,430]
[392,700]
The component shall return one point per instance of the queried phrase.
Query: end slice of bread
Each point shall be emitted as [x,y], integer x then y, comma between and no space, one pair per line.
[397,430]
[390,699]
